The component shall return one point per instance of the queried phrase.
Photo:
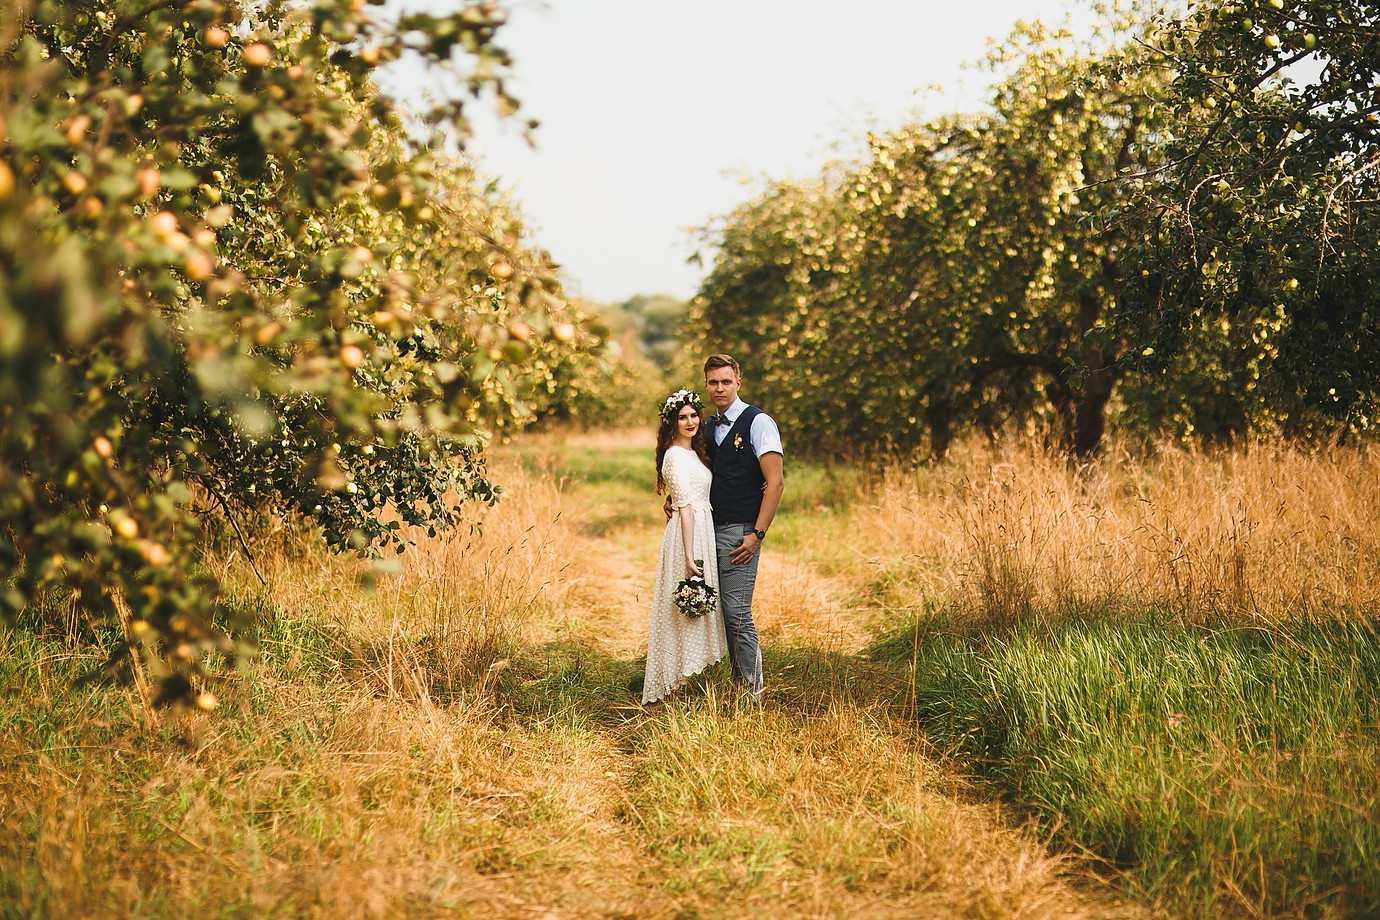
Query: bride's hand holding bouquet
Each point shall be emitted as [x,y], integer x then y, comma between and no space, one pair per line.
[694,596]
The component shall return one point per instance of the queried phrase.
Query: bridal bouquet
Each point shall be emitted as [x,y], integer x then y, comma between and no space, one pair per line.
[694,597]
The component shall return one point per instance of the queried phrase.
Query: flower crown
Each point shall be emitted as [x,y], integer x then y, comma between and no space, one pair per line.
[678,400]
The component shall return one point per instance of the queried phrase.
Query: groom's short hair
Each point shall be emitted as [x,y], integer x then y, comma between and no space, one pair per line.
[713,362]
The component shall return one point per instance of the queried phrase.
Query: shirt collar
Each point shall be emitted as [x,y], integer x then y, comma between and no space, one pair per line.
[735,410]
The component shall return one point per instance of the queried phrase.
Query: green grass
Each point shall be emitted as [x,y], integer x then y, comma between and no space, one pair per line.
[306,796]
[619,482]
[597,465]
[1227,772]
[815,488]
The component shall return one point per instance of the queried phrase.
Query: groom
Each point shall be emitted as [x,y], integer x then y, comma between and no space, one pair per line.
[745,450]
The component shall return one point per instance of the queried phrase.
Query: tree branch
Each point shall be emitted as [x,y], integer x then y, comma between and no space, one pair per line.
[225,505]
[124,22]
[1013,360]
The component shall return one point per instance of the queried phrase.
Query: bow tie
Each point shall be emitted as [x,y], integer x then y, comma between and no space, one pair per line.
[718,420]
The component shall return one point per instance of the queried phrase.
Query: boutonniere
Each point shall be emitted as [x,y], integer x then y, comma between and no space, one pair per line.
[738,441]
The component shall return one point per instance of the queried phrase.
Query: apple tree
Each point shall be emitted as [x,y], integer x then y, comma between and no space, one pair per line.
[1262,226]
[962,275]
[233,283]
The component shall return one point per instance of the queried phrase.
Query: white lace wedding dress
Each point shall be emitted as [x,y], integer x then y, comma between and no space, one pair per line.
[677,646]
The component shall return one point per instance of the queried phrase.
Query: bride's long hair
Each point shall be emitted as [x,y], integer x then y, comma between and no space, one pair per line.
[666,434]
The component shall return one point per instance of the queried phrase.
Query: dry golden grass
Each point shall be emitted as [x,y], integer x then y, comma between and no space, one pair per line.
[1263,535]
[836,815]
[461,742]
[799,603]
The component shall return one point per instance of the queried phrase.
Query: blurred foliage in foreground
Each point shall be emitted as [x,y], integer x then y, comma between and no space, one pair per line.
[1172,226]
[231,282]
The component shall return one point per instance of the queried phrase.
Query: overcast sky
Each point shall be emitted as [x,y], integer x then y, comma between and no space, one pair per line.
[657,115]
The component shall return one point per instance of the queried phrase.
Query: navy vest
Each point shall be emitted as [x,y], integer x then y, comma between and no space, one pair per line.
[736,492]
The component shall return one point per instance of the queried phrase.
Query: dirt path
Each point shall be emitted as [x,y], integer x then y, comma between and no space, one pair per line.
[828,787]
[794,601]
[353,787]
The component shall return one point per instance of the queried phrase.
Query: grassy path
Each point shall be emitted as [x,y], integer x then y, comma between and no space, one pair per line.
[461,742]
[822,804]
[1228,768]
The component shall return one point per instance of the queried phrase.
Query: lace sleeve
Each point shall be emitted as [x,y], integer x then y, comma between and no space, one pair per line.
[677,475]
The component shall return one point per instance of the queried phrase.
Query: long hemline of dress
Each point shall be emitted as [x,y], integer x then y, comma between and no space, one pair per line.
[678,647]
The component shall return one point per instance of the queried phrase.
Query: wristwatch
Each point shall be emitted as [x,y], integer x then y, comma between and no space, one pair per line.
[761,534]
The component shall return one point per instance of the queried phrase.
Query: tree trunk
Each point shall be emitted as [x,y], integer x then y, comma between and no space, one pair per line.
[1060,396]
[1090,422]
[939,419]
[1091,419]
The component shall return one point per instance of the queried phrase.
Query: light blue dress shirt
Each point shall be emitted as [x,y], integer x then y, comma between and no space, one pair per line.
[764,436]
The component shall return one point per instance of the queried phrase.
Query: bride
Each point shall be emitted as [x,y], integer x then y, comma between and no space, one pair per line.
[678,646]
